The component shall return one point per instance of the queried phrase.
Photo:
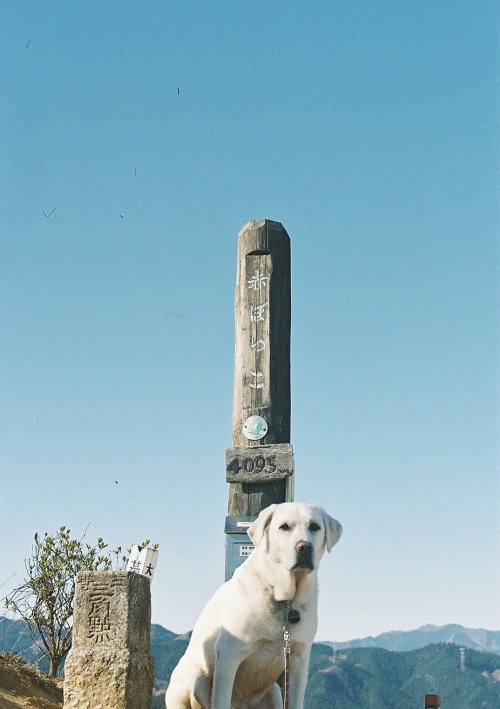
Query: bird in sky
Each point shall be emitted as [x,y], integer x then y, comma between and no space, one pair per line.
[178,90]
[50,213]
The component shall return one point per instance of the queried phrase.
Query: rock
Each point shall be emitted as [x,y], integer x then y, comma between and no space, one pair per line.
[109,665]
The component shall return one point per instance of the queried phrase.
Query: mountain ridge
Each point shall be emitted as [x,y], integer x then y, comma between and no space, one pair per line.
[404,640]
[353,678]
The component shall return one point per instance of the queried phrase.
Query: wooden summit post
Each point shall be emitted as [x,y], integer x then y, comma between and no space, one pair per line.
[259,466]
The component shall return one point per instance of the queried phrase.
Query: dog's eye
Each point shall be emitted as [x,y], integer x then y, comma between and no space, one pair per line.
[313,527]
[285,527]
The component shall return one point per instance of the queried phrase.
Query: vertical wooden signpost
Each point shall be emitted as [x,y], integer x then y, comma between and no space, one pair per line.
[259,465]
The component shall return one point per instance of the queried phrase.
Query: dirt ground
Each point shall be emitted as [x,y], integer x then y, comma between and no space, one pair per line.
[22,685]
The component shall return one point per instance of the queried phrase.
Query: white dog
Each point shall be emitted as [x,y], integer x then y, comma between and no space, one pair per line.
[236,652]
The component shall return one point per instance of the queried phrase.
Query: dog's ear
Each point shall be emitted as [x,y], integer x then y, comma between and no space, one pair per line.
[258,527]
[333,531]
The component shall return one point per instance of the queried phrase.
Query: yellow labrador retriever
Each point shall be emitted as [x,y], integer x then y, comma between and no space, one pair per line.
[235,655]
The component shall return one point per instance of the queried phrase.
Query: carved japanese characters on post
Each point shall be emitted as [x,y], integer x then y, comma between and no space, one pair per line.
[99,613]
[262,331]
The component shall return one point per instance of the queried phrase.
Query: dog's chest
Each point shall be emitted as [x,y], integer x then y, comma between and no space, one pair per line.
[264,664]
[260,669]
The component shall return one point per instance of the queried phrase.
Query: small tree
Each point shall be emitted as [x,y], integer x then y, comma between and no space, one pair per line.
[45,599]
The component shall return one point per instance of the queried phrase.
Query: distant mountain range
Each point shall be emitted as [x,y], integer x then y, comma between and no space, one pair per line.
[15,638]
[372,678]
[368,677]
[403,640]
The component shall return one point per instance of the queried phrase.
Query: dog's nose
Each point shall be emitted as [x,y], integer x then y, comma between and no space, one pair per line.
[303,548]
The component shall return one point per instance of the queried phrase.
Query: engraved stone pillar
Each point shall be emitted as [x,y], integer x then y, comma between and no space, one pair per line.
[109,665]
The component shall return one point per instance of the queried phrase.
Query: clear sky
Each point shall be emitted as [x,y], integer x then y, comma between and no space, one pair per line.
[150,133]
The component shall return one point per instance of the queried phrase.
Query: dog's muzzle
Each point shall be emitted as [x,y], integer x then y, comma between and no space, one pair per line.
[304,558]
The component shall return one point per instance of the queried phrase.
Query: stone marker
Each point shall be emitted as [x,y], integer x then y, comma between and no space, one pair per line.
[109,665]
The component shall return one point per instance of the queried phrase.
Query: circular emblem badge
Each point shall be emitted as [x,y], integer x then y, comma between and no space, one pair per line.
[255,428]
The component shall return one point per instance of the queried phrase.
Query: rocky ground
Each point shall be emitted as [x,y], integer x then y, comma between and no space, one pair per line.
[22,685]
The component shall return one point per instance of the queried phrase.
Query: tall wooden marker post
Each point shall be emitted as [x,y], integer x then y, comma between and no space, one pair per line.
[259,466]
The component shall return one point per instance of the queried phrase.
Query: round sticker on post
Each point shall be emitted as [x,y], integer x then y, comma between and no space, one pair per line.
[255,428]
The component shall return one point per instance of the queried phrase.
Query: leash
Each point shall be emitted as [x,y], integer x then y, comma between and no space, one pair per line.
[291,616]
[286,650]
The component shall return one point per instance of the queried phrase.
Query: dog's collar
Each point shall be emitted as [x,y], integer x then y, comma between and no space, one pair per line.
[292,615]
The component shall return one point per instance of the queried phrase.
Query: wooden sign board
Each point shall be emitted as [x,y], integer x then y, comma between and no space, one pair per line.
[142,560]
[261,369]
[259,464]
[432,701]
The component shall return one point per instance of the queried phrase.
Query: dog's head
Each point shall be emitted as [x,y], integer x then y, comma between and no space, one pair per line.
[295,534]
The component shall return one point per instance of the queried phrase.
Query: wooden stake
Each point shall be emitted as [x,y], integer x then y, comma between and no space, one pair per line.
[261,369]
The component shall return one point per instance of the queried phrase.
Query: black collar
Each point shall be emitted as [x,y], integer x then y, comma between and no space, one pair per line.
[292,615]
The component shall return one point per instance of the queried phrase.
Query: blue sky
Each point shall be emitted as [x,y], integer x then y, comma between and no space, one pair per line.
[369,129]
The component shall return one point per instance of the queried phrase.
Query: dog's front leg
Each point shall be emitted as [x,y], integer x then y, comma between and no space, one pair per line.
[299,667]
[228,655]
